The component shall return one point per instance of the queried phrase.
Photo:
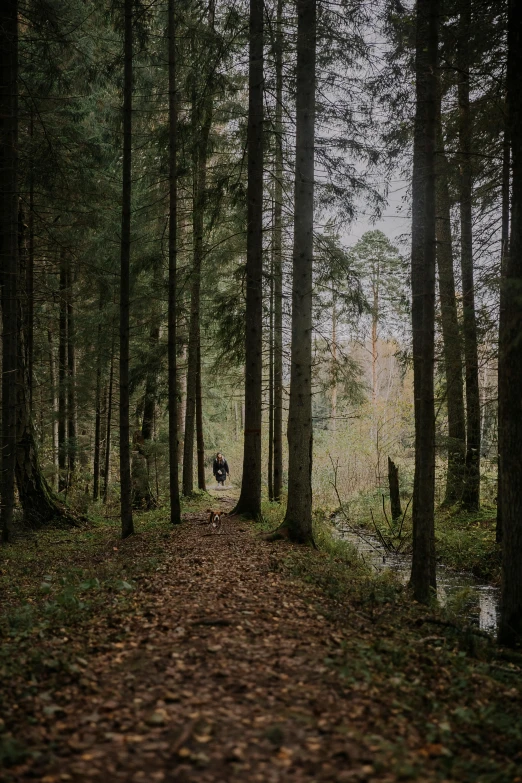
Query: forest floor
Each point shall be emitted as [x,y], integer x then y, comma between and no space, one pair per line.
[214,656]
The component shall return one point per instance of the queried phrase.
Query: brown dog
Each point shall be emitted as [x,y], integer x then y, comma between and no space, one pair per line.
[215,518]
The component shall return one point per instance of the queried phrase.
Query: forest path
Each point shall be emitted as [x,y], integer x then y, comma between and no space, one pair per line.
[224,668]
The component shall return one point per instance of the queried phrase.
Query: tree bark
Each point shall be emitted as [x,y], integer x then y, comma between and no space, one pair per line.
[395,495]
[451,337]
[39,504]
[30,278]
[250,498]
[8,251]
[297,524]
[423,576]
[54,409]
[270,466]
[333,408]
[504,254]
[127,526]
[142,492]
[192,416]
[175,508]
[151,387]
[510,359]
[471,493]
[200,443]
[62,376]
[107,463]
[71,377]
[98,405]
[278,260]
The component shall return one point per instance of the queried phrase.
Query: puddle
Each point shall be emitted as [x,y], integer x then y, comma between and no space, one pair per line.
[482,599]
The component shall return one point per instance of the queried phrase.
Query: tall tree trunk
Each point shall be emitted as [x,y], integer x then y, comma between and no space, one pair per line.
[375,321]
[193,416]
[471,493]
[504,254]
[423,259]
[333,409]
[62,376]
[98,404]
[39,504]
[175,508]
[127,526]
[54,410]
[107,465]
[151,386]
[199,426]
[71,377]
[510,359]
[250,498]
[97,436]
[30,278]
[278,259]
[8,250]
[297,524]
[270,466]
[395,494]
[182,402]
[451,337]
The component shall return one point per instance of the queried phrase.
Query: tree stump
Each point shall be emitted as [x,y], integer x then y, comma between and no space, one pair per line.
[395,498]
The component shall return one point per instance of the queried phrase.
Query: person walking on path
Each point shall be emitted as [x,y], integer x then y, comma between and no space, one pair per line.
[220,469]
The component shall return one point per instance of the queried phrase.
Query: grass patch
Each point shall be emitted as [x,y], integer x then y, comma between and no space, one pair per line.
[451,694]
[466,542]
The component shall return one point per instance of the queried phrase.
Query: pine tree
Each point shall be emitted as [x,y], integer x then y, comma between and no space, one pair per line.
[297,524]
[8,250]
[127,526]
[250,498]
[510,359]
[423,578]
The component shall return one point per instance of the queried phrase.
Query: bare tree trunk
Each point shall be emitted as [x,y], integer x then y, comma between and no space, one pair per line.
[375,319]
[199,197]
[62,377]
[510,359]
[98,406]
[504,254]
[423,576]
[451,337]
[71,377]
[182,404]
[199,427]
[97,437]
[175,508]
[39,504]
[471,493]
[278,260]
[297,524]
[333,411]
[54,409]
[395,495]
[250,498]
[107,466]
[30,278]
[8,251]
[270,466]
[236,419]
[151,386]
[127,526]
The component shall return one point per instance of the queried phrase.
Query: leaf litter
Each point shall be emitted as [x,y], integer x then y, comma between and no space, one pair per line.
[216,664]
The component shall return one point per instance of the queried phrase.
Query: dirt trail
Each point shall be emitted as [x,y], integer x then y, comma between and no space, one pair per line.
[220,677]
[226,670]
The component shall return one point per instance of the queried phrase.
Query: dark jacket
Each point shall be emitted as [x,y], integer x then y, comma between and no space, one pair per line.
[221,468]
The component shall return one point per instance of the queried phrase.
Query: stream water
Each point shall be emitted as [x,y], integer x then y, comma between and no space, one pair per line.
[481,600]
